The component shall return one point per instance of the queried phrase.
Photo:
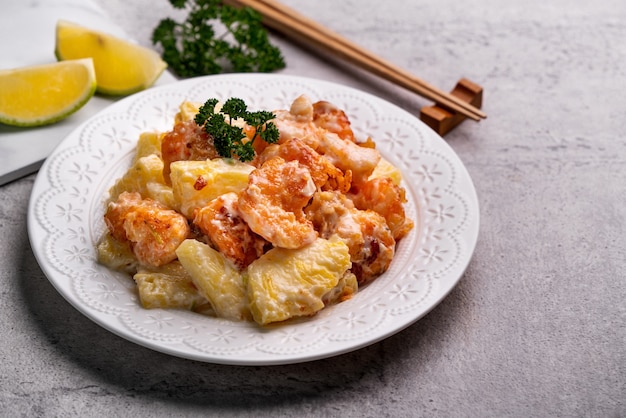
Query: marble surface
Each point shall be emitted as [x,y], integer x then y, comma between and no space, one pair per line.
[537,325]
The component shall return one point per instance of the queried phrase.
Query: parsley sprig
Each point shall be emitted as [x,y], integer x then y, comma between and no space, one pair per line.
[216,38]
[229,138]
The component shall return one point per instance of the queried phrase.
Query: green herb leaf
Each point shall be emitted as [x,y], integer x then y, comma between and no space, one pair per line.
[216,38]
[235,108]
[228,139]
[205,111]
[270,134]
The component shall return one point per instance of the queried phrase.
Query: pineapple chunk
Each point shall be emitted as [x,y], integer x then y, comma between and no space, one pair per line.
[196,183]
[116,255]
[145,170]
[149,143]
[385,169]
[145,177]
[216,279]
[347,286]
[169,286]
[160,192]
[187,111]
[287,283]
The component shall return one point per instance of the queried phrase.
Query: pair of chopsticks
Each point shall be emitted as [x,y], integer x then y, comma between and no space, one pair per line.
[291,23]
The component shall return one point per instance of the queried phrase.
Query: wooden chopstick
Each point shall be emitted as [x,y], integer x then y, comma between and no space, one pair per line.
[293,24]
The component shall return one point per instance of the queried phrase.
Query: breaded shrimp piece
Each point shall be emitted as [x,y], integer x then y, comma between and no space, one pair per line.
[370,241]
[297,122]
[116,212]
[325,175]
[365,232]
[348,156]
[383,196]
[152,230]
[290,127]
[329,117]
[272,203]
[186,141]
[325,210]
[221,221]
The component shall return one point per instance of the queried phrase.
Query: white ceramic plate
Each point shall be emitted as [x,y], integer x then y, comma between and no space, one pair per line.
[65,223]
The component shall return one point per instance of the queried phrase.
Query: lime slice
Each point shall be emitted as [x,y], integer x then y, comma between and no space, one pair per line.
[43,94]
[122,67]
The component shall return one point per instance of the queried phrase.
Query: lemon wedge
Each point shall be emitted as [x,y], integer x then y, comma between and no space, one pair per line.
[43,94]
[122,67]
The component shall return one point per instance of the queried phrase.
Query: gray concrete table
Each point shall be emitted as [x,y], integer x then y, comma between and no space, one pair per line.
[537,325]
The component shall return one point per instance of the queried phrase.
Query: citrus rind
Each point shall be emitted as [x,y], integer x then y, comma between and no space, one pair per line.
[44,94]
[122,67]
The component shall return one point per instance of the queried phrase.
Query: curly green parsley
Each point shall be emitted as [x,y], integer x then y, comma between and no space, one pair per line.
[216,38]
[228,138]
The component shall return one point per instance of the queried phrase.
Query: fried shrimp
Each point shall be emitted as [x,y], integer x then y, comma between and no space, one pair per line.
[272,203]
[365,232]
[152,230]
[386,198]
[186,141]
[348,156]
[297,122]
[329,117]
[371,244]
[326,129]
[324,174]
[325,210]
[221,221]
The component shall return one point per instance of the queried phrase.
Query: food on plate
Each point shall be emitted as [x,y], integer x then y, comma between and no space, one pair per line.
[152,230]
[122,67]
[218,280]
[262,216]
[170,286]
[44,94]
[286,283]
[273,203]
[370,241]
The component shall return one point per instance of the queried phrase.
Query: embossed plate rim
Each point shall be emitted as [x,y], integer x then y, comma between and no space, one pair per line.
[441,195]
